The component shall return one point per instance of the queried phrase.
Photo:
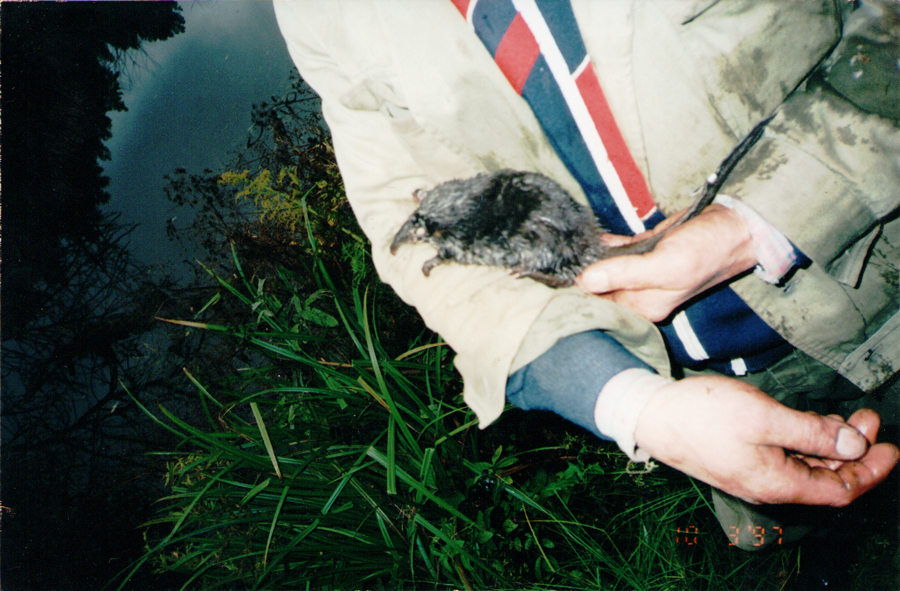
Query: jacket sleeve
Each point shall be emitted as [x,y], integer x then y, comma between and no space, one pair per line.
[484,314]
[827,172]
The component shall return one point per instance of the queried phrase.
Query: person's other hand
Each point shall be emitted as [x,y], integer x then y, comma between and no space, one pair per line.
[736,438]
[711,248]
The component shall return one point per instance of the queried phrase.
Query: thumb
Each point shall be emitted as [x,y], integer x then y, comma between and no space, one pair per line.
[814,435]
[630,272]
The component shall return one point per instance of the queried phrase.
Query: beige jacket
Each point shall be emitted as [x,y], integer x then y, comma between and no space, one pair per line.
[412,99]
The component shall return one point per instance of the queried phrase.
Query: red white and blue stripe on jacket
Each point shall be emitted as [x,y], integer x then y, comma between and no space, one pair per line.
[538,47]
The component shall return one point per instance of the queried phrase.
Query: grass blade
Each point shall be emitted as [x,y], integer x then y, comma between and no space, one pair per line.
[278,507]
[265,436]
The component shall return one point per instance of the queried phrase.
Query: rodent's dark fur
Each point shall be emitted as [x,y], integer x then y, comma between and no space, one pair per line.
[522,221]
[526,222]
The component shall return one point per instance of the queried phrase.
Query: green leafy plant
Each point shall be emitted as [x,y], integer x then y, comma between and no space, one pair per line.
[334,467]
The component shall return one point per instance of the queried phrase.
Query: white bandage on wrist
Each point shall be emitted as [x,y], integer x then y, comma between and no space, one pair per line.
[775,254]
[621,402]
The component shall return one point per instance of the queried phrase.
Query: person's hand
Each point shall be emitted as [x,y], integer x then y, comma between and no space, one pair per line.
[711,248]
[736,438]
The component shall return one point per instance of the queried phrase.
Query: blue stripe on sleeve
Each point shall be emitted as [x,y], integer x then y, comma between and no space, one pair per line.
[549,105]
[562,24]
[491,20]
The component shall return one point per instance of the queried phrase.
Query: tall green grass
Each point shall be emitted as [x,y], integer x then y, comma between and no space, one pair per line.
[335,463]
[367,471]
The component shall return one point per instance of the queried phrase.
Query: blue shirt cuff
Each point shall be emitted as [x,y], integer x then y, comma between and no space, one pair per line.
[567,378]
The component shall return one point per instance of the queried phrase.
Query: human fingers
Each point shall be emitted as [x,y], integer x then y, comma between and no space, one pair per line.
[739,440]
[653,304]
[651,284]
[834,461]
[704,252]
[613,240]
[810,434]
[809,482]
[660,269]
[867,422]
[862,475]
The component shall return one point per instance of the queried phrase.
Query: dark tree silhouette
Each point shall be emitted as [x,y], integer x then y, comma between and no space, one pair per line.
[60,79]
[75,471]
[76,308]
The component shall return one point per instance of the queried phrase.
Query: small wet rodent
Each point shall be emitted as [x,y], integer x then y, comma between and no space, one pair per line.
[527,223]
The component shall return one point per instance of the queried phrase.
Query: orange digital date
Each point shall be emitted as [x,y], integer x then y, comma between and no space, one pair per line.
[688,535]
